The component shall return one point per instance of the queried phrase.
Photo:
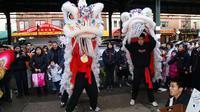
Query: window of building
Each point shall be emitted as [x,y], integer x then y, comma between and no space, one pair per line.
[39,22]
[115,23]
[23,25]
[119,23]
[164,24]
[57,23]
[185,24]
[195,25]
[5,27]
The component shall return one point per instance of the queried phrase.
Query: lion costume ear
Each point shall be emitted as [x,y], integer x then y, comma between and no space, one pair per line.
[70,11]
[97,9]
[147,12]
[125,16]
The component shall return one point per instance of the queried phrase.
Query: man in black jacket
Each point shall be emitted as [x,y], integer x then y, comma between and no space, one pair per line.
[177,93]
[19,70]
[195,63]
[141,54]
[56,54]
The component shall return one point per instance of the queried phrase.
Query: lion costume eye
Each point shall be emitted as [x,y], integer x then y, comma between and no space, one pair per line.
[70,16]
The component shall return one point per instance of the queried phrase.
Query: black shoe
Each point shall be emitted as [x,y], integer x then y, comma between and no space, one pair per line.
[62,104]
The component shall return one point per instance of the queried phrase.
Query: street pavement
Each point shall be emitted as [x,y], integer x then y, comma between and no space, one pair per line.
[115,101]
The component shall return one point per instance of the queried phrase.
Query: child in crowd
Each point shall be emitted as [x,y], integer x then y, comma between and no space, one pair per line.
[54,73]
[162,81]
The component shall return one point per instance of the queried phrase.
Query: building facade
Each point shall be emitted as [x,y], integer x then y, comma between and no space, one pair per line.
[173,26]
[3,24]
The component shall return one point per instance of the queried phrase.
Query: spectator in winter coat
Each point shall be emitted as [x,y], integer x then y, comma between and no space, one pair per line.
[164,59]
[122,67]
[19,70]
[46,53]
[38,63]
[54,73]
[177,93]
[183,61]
[109,59]
[195,63]
[173,70]
[56,54]
[29,50]
[170,48]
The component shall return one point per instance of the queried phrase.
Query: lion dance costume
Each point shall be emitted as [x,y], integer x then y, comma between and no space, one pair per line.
[146,58]
[83,29]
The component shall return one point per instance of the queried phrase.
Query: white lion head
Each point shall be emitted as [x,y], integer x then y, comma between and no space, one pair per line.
[83,21]
[136,21]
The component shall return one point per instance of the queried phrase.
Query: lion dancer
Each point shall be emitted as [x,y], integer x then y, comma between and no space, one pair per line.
[82,78]
[140,42]
[83,29]
[141,57]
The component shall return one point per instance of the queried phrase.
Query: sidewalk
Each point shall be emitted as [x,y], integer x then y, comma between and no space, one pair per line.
[116,101]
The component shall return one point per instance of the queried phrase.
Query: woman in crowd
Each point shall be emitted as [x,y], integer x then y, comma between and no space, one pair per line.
[183,61]
[38,64]
[173,70]
[109,59]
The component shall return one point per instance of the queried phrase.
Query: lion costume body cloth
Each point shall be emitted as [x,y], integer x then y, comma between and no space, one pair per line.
[83,29]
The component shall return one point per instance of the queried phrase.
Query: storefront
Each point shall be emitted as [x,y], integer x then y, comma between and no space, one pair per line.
[167,35]
[188,34]
[39,34]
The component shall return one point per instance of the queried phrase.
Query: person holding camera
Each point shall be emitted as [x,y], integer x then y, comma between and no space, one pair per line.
[19,70]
